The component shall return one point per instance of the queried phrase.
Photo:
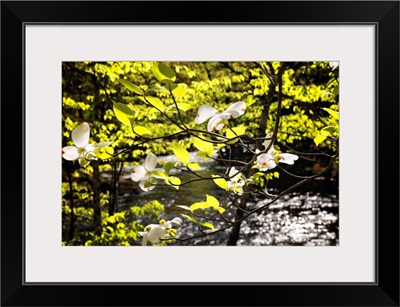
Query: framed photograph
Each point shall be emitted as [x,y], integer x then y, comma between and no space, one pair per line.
[212,153]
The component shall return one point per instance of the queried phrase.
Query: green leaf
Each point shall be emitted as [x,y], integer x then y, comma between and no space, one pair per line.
[169,165]
[190,218]
[179,91]
[206,148]
[162,71]
[220,209]
[235,131]
[123,113]
[212,201]
[221,182]
[333,113]
[208,225]
[104,152]
[319,139]
[156,102]
[199,205]
[130,86]
[184,106]
[171,86]
[336,90]
[174,181]
[159,174]
[328,130]
[193,166]
[181,153]
[142,131]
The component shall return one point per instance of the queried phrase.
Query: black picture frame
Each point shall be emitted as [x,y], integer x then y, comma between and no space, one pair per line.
[383,14]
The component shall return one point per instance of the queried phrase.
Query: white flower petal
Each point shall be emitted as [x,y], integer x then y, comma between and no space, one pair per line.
[177,220]
[90,148]
[144,240]
[138,173]
[267,142]
[265,162]
[287,158]
[225,115]
[70,153]
[213,123]
[271,163]
[333,65]
[151,162]
[205,112]
[156,233]
[232,171]
[80,135]
[237,109]
[146,185]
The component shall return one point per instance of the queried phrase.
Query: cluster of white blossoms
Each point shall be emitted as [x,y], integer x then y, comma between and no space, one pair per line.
[82,150]
[145,174]
[208,112]
[148,175]
[154,233]
[271,158]
[237,181]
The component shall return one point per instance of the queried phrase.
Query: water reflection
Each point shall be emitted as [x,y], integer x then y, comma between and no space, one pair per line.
[306,218]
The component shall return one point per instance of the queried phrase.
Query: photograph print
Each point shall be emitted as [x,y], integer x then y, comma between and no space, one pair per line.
[200,153]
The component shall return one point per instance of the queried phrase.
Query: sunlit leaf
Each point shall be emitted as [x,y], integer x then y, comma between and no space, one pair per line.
[220,209]
[184,106]
[212,201]
[179,91]
[130,86]
[319,139]
[334,114]
[104,153]
[193,166]
[162,71]
[123,113]
[174,181]
[181,153]
[199,205]
[328,130]
[221,182]
[206,148]
[156,102]
[159,174]
[235,131]
[208,225]
[142,131]
[190,218]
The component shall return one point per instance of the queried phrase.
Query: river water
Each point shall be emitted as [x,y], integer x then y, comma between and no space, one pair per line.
[306,218]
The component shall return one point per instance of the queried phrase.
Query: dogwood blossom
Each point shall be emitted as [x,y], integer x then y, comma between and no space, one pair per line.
[236,183]
[144,174]
[82,150]
[268,141]
[333,65]
[206,112]
[270,160]
[154,233]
